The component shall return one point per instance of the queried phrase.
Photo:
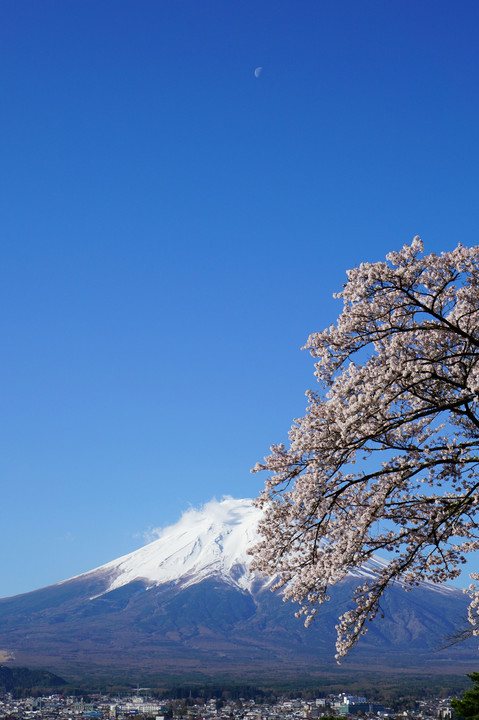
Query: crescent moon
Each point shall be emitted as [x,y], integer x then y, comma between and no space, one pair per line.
[258,71]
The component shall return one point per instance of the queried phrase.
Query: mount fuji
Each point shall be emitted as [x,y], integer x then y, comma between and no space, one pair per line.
[187,606]
[209,543]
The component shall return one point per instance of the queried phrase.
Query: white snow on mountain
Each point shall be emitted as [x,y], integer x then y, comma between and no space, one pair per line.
[212,541]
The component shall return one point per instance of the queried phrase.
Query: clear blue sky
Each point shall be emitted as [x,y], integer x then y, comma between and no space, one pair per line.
[172,228]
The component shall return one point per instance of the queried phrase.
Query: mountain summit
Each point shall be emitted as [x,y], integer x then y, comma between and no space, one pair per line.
[186,605]
[211,542]
[205,543]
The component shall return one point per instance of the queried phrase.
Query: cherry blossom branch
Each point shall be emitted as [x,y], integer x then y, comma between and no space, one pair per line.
[399,391]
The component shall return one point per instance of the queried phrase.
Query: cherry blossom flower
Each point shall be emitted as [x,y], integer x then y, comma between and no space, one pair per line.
[386,457]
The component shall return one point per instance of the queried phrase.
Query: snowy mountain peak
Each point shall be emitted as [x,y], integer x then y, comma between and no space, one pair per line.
[212,541]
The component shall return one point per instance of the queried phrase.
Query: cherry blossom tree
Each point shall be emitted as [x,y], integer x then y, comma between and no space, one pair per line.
[386,457]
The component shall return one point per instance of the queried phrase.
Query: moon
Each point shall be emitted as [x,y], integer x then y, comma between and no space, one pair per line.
[258,71]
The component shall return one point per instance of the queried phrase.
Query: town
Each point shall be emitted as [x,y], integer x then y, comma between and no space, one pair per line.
[145,707]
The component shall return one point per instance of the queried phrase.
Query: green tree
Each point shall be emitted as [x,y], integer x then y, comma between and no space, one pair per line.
[468,705]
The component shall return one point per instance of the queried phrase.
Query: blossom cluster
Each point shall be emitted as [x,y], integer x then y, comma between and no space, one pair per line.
[386,457]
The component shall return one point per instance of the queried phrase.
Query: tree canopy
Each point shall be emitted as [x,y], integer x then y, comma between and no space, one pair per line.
[386,457]
[468,706]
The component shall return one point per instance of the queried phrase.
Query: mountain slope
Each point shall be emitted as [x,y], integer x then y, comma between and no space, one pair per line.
[186,604]
[213,541]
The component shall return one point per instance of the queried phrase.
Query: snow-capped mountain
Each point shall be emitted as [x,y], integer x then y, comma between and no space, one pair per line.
[187,603]
[210,542]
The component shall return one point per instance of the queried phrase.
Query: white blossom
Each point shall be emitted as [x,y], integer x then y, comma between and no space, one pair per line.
[387,454]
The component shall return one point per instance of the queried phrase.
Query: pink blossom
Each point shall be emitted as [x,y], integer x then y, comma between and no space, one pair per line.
[387,455]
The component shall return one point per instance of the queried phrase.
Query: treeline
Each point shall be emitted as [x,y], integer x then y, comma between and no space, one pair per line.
[21,681]
[394,690]
[196,694]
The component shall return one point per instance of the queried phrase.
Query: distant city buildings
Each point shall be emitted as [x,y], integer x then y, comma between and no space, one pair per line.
[106,707]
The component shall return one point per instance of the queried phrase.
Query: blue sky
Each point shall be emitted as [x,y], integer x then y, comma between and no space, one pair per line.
[172,228]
